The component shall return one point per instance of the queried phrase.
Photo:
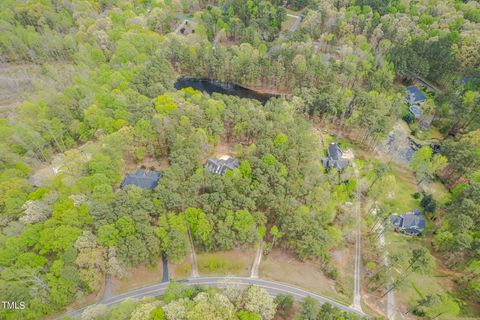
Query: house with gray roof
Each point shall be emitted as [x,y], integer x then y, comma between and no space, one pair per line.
[221,165]
[142,178]
[411,223]
[335,159]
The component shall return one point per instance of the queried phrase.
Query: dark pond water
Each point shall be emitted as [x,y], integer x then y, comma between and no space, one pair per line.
[211,86]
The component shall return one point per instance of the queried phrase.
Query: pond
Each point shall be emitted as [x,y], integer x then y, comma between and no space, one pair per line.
[211,86]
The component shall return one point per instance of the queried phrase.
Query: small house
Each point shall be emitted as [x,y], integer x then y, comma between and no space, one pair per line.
[416,111]
[221,165]
[335,158]
[142,178]
[415,96]
[411,223]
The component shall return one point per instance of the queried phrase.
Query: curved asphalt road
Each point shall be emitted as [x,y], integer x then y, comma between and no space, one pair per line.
[274,288]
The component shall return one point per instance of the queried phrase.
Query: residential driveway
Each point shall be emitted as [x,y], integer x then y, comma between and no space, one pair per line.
[274,288]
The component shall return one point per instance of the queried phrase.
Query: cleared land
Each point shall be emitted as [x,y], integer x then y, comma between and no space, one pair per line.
[233,262]
[344,260]
[138,277]
[180,270]
[283,267]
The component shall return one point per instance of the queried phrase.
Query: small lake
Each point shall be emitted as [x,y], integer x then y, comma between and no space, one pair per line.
[211,86]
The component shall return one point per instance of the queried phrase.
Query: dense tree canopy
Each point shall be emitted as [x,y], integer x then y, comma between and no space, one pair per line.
[65,149]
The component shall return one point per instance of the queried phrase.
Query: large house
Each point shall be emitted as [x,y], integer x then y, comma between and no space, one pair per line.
[142,178]
[335,158]
[221,165]
[412,223]
[415,96]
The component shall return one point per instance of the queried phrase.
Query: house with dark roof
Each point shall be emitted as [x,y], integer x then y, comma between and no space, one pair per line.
[335,158]
[415,96]
[221,165]
[411,223]
[142,178]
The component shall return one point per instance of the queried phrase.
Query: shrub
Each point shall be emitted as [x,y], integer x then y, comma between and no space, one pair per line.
[428,204]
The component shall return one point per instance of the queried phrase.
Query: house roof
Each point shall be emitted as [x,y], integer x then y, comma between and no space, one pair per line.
[142,178]
[415,95]
[334,151]
[410,222]
[220,166]
[335,158]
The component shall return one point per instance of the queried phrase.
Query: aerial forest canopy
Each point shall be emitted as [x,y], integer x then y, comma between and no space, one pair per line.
[109,104]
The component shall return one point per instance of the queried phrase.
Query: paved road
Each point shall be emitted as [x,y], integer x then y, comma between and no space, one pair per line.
[165,276]
[274,288]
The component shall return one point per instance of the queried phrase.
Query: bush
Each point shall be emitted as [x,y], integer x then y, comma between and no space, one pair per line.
[284,304]
[428,204]
[409,117]
[332,272]
[157,314]
[419,312]
[416,195]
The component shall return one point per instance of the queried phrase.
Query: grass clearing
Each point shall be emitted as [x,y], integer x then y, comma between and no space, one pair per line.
[438,191]
[232,262]
[181,269]
[283,267]
[434,134]
[138,277]
[401,195]
[344,260]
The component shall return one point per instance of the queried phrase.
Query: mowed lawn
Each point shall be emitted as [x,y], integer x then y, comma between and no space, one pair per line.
[401,195]
[283,267]
[236,262]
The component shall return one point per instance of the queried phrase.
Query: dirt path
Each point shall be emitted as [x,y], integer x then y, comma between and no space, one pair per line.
[108,291]
[356,285]
[296,24]
[390,311]
[257,260]
[193,256]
